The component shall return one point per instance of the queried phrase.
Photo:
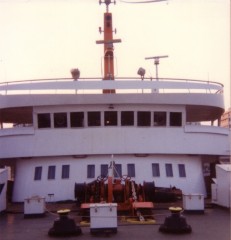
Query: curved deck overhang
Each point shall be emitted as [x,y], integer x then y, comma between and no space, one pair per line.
[203,100]
[199,107]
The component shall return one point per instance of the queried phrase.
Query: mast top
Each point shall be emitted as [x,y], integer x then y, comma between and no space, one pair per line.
[107,2]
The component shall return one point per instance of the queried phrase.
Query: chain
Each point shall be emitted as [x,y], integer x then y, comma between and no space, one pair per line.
[134,191]
[138,213]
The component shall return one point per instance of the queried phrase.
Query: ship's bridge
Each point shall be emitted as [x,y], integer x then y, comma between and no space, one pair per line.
[203,99]
[137,117]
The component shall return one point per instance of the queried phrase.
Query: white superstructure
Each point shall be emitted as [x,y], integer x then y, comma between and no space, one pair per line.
[58,132]
[62,138]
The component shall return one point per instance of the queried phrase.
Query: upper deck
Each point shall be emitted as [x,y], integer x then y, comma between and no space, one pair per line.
[23,103]
[203,99]
[121,85]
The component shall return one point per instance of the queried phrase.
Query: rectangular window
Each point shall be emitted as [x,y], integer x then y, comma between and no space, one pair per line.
[60,120]
[127,118]
[77,119]
[38,173]
[143,119]
[118,171]
[110,118]
[168,168]
[160,119]
[104,170]
[175,119]
[182,172]
[155,170]
[93,119]
[44,120]
[131,170]
[65,171]
[90,171]
[51,172]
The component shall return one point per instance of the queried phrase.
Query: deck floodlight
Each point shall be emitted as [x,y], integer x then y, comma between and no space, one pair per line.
[141,71]
[75,73]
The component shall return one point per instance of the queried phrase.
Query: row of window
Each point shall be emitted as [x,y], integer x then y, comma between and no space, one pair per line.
[51,172]
[168,170]
[131,170]
[108,118]
[104,171]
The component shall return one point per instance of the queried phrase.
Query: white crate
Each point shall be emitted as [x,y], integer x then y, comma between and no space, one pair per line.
[193,202]
[34,206]
[103,216]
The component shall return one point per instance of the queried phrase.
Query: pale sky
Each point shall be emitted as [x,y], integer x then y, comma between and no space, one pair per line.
[46,38]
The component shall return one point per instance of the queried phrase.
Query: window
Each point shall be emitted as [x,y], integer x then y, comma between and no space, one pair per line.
[60,120]
[90,171]
[51,172]
[65,171]
[127,118]
[93,119]
[77,119]
[176,119]
[144,119]
[168,168]
[160,118]
[104,170]
[131,170]
[182,172]
[118,171]
[44,120]
[38,173]
[155,170]
[110,118]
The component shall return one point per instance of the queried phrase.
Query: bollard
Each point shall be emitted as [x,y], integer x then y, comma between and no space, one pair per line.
[64,226]
[175,223]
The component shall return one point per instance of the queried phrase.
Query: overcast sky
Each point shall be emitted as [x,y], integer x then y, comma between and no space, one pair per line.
[46,38]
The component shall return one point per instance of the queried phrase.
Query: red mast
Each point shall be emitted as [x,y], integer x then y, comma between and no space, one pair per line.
[108,46]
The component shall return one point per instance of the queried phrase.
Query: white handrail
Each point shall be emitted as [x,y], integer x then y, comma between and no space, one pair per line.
[169,85]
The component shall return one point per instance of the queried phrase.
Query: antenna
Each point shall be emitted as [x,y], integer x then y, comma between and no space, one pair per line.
[107,2]
[108,42]
[156,62]
[145,1]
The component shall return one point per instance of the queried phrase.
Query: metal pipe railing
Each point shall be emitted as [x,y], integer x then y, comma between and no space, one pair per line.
[128,84]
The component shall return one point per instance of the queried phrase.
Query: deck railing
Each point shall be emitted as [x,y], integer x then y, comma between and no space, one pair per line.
[121,85]
[30,130]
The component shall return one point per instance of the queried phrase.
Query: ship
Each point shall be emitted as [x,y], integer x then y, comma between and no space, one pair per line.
[91,138]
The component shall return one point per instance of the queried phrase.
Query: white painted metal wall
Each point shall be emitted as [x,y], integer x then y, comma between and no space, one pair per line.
[117,140]
[63,189]
[3,180]
[221,190]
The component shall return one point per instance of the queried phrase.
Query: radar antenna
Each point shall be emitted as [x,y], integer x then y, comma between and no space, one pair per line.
[156,62]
